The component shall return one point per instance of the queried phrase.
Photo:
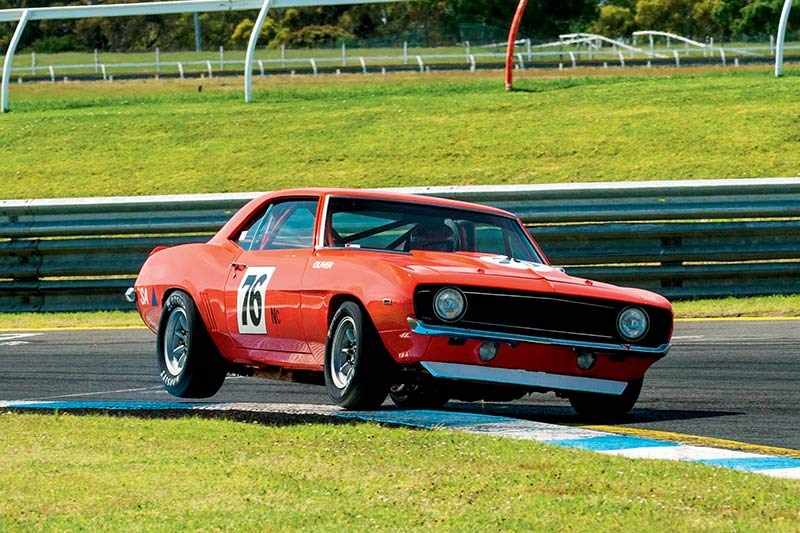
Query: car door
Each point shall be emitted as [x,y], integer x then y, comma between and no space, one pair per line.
[263,290]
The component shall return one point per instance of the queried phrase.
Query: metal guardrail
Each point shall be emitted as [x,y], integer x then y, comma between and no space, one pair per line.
[684,239]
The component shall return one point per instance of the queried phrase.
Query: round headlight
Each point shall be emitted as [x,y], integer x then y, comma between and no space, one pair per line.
[632,323]
[449,304]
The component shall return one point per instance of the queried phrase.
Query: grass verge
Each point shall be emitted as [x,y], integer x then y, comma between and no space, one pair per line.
[162,137]
[756,307]
[190,474]
[776,306]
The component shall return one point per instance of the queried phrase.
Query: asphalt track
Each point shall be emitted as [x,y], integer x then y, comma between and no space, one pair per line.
[733,380]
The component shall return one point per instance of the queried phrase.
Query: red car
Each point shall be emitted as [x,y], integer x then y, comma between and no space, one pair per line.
[375,293]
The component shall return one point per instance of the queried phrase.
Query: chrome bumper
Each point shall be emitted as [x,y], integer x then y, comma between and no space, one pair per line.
[130,295]
[421,328]
[527,378]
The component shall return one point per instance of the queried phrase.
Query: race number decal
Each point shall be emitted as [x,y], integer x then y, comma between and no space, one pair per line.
[250,300]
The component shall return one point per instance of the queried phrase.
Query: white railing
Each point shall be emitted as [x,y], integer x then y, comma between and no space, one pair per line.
[22,16]
[784,21]
[302,59]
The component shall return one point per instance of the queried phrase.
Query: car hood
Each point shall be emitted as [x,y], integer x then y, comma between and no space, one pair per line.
[503,272]
[463,263]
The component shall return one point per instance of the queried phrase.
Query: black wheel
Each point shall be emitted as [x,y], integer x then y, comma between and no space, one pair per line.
[355,362]
[599,407]
[188,361]
[418,396]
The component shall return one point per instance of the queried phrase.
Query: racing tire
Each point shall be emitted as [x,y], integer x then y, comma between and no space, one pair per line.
[188,362]
[355,361]
[603,407]
[413,396]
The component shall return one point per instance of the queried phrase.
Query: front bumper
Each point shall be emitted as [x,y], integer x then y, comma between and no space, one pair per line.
[421,328]
[525,378]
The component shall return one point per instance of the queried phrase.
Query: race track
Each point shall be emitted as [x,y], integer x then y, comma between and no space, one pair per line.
[735,380]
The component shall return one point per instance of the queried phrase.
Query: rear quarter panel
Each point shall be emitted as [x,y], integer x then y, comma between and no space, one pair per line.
[197,269]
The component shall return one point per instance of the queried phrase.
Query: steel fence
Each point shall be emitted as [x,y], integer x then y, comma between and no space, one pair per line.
[684,239]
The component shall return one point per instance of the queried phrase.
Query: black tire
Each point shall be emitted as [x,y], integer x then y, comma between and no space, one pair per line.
[418,396]
[604,407]
[356,367]
[188,362]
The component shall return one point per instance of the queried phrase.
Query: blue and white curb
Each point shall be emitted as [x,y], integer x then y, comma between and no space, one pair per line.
[497,426]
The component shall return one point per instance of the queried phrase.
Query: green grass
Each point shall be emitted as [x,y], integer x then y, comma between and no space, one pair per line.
[192,474]
[762,306]
[98,319]
[755,307]
[159,137]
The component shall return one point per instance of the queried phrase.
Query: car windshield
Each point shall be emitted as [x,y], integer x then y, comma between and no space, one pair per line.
[405,226]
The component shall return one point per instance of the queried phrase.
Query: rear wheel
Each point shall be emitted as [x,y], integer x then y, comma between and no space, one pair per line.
[189,364]
[355,365]
[600,407]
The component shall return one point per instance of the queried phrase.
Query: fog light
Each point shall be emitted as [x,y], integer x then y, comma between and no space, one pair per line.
[586,360]
[488,351]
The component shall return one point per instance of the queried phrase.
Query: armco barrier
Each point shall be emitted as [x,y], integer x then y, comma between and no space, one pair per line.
[684,239]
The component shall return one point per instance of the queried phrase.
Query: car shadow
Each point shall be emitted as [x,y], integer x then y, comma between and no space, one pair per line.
[553,414]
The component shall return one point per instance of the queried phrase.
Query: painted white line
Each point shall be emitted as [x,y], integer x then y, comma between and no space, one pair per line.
[9,336]
[12,339]
[786,473]
[290,408]
[681,453]
[78,395]
[529,430]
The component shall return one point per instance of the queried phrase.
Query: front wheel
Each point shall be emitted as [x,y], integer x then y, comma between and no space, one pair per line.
[600,407]
[189,364]
[355,365]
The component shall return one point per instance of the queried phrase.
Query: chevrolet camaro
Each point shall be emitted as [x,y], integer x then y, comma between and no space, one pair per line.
[374,293]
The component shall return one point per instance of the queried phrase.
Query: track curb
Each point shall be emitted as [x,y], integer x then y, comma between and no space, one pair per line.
[631,446]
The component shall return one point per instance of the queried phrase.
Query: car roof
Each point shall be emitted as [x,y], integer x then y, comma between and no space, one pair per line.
[390,194]
[236,221]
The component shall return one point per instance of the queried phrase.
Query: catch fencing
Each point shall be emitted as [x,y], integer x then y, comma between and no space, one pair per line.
[683,239]
[354,60]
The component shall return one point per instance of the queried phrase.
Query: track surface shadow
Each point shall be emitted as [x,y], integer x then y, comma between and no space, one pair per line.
[565,415]
[546,414]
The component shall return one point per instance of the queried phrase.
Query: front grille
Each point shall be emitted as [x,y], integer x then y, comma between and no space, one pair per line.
[544,315]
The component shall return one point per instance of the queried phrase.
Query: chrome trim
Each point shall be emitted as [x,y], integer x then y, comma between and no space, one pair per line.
[421,328]
[323,226]
[130,295]
[527,378]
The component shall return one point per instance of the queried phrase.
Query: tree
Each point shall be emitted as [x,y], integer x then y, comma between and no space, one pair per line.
[665,15]
[704,15]
[757,17]
[614,21]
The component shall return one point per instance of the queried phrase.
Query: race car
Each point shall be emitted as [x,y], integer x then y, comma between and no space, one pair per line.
[374,293]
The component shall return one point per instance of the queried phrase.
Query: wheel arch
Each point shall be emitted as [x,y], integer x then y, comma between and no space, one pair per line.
[202,308]
[338,299]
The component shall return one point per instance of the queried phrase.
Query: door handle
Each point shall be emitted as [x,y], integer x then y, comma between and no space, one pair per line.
[238,266]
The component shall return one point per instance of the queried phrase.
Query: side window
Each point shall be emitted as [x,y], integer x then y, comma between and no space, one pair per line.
[281,226]
[490,239]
